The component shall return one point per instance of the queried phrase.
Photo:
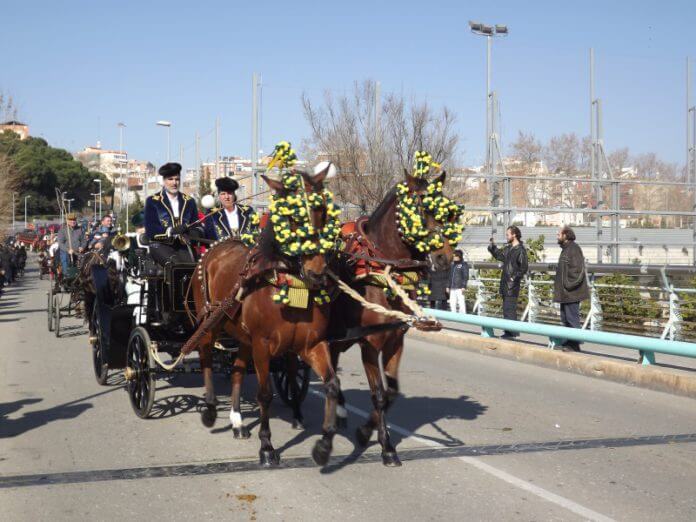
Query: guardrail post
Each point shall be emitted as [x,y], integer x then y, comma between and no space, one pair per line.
[594,317]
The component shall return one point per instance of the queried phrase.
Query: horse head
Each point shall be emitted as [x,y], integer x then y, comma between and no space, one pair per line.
[304,221]
[428,221]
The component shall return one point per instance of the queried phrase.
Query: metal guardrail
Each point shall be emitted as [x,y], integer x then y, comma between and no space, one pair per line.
[647,346]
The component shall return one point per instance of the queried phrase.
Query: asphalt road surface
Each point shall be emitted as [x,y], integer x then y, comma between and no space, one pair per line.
[481,438]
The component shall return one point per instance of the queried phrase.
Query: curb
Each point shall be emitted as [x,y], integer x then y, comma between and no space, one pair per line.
[589,365]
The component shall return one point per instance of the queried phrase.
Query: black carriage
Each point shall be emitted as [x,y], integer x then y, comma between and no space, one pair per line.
[150,319]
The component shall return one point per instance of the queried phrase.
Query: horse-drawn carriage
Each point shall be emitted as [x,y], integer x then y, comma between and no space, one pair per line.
[132,326]
[64,296]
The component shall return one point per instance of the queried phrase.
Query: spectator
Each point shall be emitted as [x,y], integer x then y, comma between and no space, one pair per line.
[438,288]
[515,264]
[458,279]
[570,284]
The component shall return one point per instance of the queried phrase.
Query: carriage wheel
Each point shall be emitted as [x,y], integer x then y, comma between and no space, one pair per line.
[141,378]
[101,368]
[282,383]
[56,315]
[49,310]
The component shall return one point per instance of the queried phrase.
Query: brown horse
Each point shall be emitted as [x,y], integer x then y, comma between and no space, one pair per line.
[263,328]
[382,244]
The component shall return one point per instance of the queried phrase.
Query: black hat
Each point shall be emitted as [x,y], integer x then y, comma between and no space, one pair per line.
[226,184]
[170,169]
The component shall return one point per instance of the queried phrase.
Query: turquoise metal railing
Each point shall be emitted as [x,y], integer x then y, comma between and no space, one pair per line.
[647,346]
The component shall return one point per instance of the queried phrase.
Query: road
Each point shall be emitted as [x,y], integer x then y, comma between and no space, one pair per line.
[480,437]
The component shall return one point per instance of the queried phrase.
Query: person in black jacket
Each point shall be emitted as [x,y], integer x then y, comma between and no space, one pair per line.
[570,284]
[458,279]
[438,281]
[515,264]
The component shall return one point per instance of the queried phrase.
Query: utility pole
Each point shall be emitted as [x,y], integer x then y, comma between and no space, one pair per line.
[602,170]
[217,147]
[691,150]
[198,163]
[254,135]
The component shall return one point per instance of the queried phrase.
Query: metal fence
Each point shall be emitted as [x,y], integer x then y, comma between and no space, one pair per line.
[650,301]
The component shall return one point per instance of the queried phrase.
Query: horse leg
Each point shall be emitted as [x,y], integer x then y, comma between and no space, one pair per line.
[205,352]
[291,369]
[379,400]
[341,412]
[268,456]
[319,359]
[239,370]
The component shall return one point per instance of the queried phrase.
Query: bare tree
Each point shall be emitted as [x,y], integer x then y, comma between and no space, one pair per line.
[562,154]
[619,160]
[527,149]
[371,150]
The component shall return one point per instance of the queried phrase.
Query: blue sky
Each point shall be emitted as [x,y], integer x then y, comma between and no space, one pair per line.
[77,68]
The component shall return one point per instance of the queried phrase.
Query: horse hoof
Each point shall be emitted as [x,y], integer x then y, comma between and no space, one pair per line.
[363,434]
[321,452]
[268,458]
[341,423]
[390,459]
[241,433]
[298,425]
[208,416]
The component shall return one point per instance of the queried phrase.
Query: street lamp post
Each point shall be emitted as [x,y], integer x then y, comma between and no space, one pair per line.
[25,210]
[94,202]
[121,126]
[69,201]
[13,211]
[168,125]
[97,180]
[489,31]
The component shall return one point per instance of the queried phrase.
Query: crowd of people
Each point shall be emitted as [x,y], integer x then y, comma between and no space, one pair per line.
[13,259]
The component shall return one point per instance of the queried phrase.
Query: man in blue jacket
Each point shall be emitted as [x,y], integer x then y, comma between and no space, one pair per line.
[232,219]
[168,215]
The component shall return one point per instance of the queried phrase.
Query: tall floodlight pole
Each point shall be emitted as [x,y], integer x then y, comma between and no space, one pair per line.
[168,125]
[25,210]
[490,31]
[97,180]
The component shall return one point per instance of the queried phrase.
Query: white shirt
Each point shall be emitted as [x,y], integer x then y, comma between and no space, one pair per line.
[232,219]
[174,203]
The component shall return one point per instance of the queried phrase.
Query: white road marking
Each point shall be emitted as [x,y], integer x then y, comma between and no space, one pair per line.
[540,492]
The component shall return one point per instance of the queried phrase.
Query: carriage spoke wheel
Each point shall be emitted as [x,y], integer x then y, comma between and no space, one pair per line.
[56,315]
[101,368]
[49,310]
[285,391]
[141,378]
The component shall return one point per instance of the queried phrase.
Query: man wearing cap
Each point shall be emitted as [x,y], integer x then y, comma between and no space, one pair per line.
[71,240]
[231,220]
[168,214]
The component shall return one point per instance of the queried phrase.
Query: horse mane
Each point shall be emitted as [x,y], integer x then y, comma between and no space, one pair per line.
[382,208]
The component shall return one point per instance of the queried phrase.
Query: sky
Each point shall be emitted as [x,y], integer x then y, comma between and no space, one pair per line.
[78,68]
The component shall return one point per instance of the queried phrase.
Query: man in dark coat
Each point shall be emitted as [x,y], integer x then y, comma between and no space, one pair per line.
[231,219]
[458,279]
[515,265]
[168,215]
[570,284]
